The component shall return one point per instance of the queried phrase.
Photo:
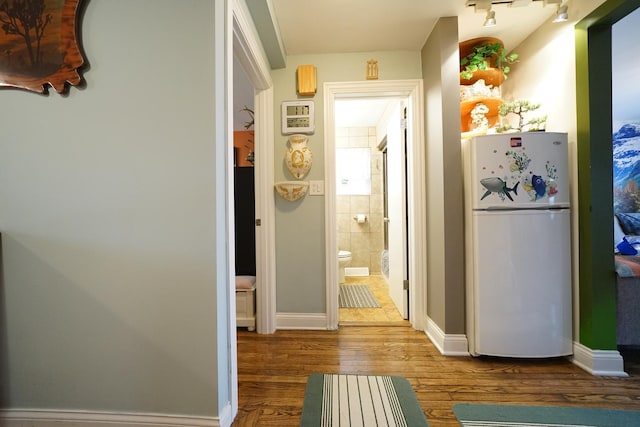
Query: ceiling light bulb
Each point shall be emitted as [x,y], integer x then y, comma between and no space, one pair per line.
[562,15]
[490,20]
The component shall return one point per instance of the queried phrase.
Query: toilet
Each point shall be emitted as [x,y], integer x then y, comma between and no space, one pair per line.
[344,258]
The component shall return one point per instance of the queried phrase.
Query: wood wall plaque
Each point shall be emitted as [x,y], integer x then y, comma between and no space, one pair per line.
[39,44]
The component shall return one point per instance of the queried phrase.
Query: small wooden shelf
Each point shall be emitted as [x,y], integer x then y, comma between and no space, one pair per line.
[491,76]
[468,104]
[466,47]
[492,103]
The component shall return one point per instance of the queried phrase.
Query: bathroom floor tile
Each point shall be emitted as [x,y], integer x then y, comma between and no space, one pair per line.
[388,314]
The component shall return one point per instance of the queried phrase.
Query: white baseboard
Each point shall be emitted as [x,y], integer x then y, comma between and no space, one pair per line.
[447,344]
[311,321]
[226,416]
[607,363]
[356,271]
[68,418]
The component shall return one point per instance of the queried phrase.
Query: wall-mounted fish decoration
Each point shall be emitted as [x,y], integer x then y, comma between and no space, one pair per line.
[499,186]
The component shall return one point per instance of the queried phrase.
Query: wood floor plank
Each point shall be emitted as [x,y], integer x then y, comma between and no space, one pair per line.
[273,370]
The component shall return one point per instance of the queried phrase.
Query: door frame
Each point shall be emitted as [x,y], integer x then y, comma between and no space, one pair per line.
[244,43]
[412,91]
[248,51]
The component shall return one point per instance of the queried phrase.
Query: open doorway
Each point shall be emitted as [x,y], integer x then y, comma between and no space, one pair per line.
[370,157]
[626,195]
[410,93]
[244,212]
[248,55]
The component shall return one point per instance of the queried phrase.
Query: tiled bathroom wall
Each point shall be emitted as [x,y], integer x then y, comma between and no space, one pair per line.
[364,241]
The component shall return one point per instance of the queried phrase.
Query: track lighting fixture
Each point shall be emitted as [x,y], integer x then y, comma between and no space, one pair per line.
[562,14]
[490,20]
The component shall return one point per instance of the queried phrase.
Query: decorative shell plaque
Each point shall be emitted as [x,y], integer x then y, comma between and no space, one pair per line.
[298,156]
[292,190]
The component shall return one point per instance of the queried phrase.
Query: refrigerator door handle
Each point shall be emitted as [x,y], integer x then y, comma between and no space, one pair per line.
[522,208]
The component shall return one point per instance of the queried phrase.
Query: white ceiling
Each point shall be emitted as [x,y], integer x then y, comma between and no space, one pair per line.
[339,26]
[343,26]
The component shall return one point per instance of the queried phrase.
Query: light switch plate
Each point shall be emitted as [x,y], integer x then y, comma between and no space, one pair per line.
[316,188]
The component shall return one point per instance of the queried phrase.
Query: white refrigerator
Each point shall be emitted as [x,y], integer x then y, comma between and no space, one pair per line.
[518,245]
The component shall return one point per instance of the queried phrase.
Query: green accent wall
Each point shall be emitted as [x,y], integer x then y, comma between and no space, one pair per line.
[595,170]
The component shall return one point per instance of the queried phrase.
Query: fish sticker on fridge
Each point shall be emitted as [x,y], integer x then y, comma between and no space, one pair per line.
[534,184]
[498,186]
[538,187]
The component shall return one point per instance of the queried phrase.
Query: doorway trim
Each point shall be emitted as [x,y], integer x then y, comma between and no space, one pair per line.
[412,91]
[243,42]
[248,50]
[596,348]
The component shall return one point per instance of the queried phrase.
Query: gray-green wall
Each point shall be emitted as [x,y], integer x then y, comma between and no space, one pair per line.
[112,218]
[300,233]
[445,220]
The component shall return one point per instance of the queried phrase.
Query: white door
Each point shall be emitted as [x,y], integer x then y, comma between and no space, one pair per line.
[397,223]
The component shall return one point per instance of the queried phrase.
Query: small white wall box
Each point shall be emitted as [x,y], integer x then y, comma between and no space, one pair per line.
[297,117]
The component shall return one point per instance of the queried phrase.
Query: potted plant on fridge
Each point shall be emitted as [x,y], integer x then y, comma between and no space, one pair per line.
[522,108]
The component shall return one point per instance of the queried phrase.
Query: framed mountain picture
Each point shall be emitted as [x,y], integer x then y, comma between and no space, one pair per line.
[625,66]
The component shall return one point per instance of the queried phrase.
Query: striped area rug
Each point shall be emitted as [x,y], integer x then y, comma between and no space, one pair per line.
[484,415]
[357,296]
[333,400]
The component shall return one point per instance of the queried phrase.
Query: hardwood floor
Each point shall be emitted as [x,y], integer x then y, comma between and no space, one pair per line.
[273,370]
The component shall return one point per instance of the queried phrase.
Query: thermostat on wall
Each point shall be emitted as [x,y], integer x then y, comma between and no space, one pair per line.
[297,117]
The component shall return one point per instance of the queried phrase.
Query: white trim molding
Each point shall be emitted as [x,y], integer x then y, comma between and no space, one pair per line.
[265,212]
[244,44]
[447,345]
[69,418]
[306,321]
[250,53]
[412,91]
[608,363]
[247,47]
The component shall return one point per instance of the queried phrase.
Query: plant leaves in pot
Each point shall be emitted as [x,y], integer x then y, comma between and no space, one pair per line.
[484,58]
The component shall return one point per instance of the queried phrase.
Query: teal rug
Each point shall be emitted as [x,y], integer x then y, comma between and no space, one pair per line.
[476,415]
[332,400]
